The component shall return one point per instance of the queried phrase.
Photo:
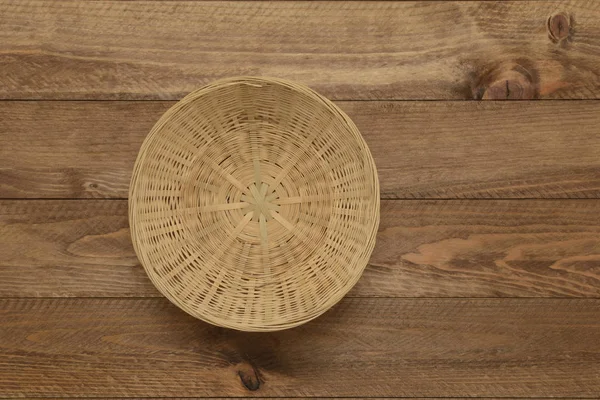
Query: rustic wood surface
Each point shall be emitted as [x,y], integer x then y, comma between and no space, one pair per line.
[61,149]
[362,347]
[485,280]
[346,50]
[458,248]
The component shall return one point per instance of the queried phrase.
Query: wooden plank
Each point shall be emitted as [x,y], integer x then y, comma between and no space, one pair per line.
[72,149]
[362,347]
[68,248]
[462,248]
[56,149]
[346,50]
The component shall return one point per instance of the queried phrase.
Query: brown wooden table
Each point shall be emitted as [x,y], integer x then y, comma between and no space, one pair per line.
[485,281]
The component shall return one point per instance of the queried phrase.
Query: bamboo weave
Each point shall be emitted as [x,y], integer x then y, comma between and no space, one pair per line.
[254,204]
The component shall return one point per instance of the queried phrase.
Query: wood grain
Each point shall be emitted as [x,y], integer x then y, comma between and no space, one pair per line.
[461,248]
[346,50]
[57,149]
[68,248]
[362,347]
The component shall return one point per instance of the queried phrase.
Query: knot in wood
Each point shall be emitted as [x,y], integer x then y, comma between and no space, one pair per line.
[510,86]
[249,376]
[508,81]
[559,27]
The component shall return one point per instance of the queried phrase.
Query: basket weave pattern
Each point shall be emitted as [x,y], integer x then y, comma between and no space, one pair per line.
[254,204]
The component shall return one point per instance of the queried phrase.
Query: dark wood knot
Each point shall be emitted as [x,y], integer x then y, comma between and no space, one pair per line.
[249,376]
[509,81]
[559,27]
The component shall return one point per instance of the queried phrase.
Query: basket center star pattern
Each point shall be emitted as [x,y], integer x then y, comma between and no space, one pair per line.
[254,204]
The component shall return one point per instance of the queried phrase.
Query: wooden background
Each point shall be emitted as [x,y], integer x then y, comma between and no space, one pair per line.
[485,281]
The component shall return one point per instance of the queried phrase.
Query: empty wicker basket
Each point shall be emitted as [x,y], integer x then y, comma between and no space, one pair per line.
[254,204]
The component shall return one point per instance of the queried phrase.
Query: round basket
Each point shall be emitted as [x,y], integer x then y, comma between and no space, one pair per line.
[254,204]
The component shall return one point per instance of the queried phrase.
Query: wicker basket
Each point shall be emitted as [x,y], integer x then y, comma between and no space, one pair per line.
[254,204]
